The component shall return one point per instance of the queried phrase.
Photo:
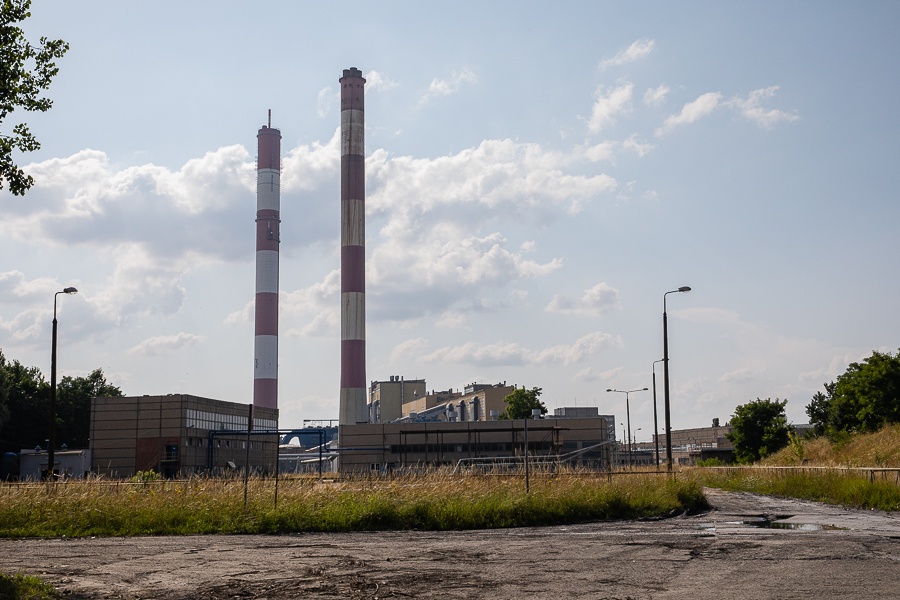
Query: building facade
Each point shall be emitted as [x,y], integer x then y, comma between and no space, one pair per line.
[178,435]
[386,398]
[477,402]
[385,447]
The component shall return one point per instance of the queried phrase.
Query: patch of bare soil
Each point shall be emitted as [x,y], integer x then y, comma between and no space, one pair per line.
[747,547]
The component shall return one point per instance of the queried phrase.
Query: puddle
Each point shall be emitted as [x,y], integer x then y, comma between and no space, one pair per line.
[777,524]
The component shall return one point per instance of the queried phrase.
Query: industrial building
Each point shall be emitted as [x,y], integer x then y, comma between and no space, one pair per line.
[386,398]
[477,402]
[178,435]
[385,447]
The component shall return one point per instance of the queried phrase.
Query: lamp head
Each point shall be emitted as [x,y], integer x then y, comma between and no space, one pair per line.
[70,290]
[610,390]
[643,389]
[684,288]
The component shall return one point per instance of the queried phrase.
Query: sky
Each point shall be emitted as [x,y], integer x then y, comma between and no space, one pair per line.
[538,176]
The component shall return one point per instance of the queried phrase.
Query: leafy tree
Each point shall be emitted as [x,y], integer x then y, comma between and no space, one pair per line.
[73,406]
[759,428]
[25,402]
[521,402]
[27,405]
[863,399]
[25,71]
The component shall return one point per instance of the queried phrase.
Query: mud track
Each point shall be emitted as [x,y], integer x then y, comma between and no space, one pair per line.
[813,551]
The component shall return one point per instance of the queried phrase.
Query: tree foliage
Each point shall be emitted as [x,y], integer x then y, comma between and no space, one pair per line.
[864,398]
[759,428]
[521,402]
[25,72]
[25,406]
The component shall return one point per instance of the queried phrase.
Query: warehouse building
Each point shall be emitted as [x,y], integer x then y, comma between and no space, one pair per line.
[179,435]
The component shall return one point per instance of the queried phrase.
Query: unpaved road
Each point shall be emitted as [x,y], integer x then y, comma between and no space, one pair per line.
[834,553]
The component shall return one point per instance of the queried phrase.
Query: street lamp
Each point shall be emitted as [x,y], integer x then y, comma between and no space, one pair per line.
[634,439]
[655,425]
[628,412]
[682,289]
[51,441]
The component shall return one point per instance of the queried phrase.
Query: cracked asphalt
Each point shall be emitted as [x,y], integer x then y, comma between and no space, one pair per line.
[806,550]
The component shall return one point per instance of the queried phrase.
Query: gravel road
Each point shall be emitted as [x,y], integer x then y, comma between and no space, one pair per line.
[807,550]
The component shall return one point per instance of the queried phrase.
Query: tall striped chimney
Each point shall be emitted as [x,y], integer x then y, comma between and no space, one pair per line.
[353,408]
[268,207]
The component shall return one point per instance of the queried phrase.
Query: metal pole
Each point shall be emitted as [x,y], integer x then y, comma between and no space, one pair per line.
[51,439]
[247,464]
[51,442]
[666,377]
[666,387]
[628,426]
[527,486]
[655,425]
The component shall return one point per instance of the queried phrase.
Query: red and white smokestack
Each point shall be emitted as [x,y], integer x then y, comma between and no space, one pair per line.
[268,207]
[353,407]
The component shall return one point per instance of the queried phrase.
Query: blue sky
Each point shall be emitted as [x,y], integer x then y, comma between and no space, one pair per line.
[537,177]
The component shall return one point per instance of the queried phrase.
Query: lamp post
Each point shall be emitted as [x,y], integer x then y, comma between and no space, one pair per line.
[51,440]
[628,413]
[634,440]
[683,288]
[655,425]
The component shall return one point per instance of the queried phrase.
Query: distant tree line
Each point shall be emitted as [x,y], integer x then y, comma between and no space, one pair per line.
[862,400]
[865,398]
[25,406]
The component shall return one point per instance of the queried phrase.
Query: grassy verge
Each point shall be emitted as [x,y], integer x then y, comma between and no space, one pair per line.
[434,502]
[25,587]
[847,488]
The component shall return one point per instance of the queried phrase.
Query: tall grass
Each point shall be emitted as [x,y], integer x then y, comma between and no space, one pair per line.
[879,449]
[856,470]
[434,502]
[833,486]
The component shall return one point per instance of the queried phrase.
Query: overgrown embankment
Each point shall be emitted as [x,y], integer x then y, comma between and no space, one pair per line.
[861,471]
[434,502]
[879,449]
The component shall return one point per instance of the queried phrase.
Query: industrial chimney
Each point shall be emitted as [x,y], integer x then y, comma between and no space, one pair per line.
[268,207]
[353,407]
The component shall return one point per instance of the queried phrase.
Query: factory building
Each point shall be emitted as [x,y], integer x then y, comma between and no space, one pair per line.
[477,402]
[386,398]
[385,447]
[178,435]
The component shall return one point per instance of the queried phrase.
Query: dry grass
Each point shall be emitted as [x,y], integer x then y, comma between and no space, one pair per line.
[434,501]
[880,449]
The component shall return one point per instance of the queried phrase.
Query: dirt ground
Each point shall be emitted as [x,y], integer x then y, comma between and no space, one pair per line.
[808,551]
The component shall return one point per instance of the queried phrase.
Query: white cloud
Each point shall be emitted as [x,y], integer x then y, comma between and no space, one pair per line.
[752,108]
[656,96]
[608,105]
[166,344]
[447,87]
[409,349]
[691,112]
[511,353]
[636,51]
[600,152]
[592,374]
[635,143]
[326,99]
[376,82]
[595,301]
